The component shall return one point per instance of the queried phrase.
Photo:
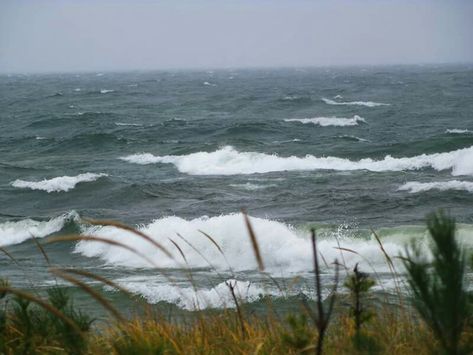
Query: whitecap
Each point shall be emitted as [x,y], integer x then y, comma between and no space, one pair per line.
[356,103]
[329,121]
[229,161]
[106,91]
[17,232]
[458,131]
[206,83]
[154,290]
[128,124]
[415,187]
[57,184]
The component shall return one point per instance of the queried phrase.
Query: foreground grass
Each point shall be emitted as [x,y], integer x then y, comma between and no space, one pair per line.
[392,333]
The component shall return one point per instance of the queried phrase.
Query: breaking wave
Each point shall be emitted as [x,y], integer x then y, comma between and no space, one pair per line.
[284,249]
[57,184]
[105,91]
[17,232]
[355,103]
[187,297]
[228,161]
[329,121]
[414,186]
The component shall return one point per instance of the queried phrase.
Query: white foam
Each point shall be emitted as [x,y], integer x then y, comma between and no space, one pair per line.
[61,183]
[105,91]
[414,186]
[206,83]
[17,232]
[329,121]
[77,89]
[188,298]
[356,103]
[128,124]
[228,161]
[458,131]
[284,249]
[338,97]
[354,138]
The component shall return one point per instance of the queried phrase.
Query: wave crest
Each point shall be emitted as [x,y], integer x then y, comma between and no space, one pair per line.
[354,103]
[228,161]
[414,186]
[17,232]
[57,184]
[329,121]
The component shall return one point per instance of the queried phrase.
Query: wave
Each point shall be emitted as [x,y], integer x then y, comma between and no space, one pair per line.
[353,138]
[128,124]
[206,83]
[57,184]
[17,232]
[252,187]
[284,249]
[188,298]
[458,131]
[329,121]
[106,91]
[357,103]
[228,161]
[414,186]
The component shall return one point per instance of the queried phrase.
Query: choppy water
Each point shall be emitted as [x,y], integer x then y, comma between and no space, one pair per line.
[178,152]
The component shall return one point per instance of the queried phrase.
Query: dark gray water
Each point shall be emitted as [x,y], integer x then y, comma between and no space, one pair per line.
[177,152]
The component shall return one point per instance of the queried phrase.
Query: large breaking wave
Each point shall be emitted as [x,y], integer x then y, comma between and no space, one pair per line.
[229,161]
[284,249]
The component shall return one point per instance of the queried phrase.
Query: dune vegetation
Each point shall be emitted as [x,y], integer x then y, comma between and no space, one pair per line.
[432,315]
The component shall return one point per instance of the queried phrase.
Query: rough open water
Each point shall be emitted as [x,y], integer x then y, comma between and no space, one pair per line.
[341,149]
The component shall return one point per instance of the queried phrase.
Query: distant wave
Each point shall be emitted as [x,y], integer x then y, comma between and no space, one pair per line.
[19,231]
[357,103]
[57,184]
[206,83]
[353,138]
[329,121]
[458,131]
[128,124]
[105,91]
[252,187]
[229,161]
[414,186]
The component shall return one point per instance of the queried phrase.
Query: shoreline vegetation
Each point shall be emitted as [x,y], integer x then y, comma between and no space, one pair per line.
[431,313]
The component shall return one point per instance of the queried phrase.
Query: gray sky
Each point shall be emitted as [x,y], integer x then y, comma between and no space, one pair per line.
[52,36]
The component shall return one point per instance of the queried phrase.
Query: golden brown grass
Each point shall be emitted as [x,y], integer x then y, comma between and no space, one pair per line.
[221,334]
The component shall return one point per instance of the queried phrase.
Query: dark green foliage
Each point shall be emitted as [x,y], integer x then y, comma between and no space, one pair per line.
[72,342]
[38,327]
[438,286]
[299,335]
[359,285]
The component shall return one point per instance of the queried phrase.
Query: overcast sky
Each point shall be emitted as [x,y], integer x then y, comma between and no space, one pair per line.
[99,35]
